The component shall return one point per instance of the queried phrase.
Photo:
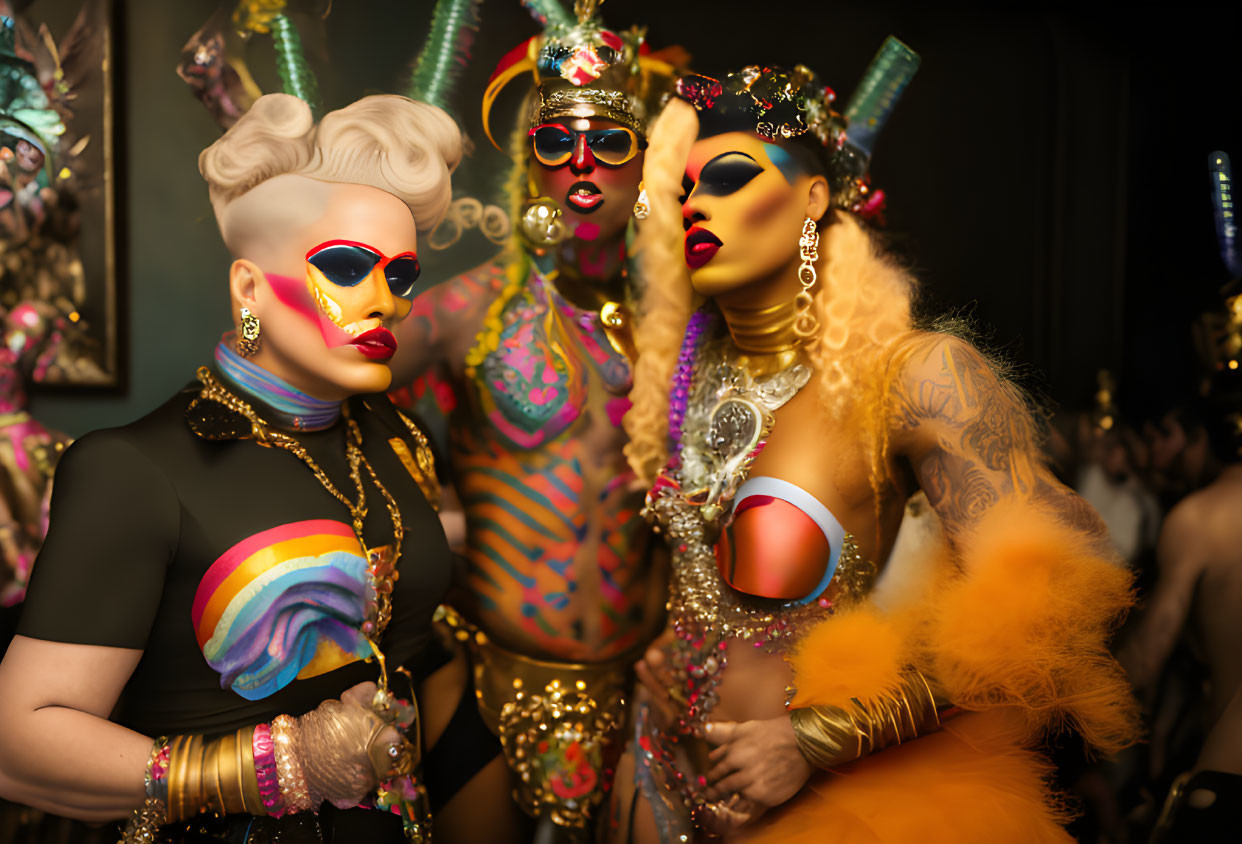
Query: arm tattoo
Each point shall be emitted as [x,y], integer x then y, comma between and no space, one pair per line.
[991,434]
[979,445]
[956,488]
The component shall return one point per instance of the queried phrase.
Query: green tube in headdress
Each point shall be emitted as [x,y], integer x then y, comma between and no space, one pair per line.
[268,16]
[295,73]
[446,53]
[877,94]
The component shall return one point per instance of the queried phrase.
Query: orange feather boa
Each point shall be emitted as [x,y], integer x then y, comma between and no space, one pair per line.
[1015,633]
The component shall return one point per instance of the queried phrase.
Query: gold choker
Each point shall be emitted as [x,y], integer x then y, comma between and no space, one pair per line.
[765,335]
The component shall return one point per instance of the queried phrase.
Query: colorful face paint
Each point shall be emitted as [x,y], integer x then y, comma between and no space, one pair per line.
[591,168]
[347,263]
[345,283]
[786,163]
[297,296]
[743,209]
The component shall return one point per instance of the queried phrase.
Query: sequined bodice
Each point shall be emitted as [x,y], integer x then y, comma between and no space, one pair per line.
[728,417]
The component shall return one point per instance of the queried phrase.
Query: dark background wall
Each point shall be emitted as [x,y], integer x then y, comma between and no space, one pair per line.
[1046,170]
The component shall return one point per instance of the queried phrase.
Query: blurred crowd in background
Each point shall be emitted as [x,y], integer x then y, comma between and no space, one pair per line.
[1170,489]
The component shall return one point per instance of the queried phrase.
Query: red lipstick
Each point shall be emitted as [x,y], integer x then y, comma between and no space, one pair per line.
[376,344]
[701,247]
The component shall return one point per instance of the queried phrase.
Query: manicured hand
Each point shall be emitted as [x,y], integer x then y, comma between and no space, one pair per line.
[757,760]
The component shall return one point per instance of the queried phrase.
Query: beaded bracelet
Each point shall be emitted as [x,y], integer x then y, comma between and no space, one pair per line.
[156,776]
[144,824]
[288,770]
[265,771]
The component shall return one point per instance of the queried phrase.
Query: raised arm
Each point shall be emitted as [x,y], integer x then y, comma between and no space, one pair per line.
[970,440]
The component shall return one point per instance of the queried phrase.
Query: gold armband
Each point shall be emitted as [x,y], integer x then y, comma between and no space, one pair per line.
[215,776]
[829,736]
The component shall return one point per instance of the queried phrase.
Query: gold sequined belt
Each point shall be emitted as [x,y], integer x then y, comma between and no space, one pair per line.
[559,722]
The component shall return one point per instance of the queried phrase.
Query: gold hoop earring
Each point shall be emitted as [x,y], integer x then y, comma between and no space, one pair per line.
[248,334]
[806,324]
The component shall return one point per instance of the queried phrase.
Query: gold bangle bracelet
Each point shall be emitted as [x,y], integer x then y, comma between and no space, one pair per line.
[198,787]
[826,735]
[217,776]
[212,797]
[227,776]
[231,776]
[175,777]
[190,797]
[181,800]
[829,736]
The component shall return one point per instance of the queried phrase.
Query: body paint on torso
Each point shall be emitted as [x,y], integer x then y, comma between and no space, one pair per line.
[558,560]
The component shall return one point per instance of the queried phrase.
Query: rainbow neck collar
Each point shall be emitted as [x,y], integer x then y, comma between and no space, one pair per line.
[286,406]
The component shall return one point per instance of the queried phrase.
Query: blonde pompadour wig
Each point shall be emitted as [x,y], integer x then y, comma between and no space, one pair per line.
[400,146]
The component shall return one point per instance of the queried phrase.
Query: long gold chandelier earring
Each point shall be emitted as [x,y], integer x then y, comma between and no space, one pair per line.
[806,324]
[248,334]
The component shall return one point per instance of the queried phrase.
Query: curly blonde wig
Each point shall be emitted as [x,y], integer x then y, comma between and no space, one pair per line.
[392,143]
[862,302]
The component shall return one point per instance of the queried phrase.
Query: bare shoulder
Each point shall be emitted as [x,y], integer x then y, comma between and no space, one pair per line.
[970,436]
[444,320]
[486,280]
[1205,525]
[1185,538]
[466,294]
[941,379]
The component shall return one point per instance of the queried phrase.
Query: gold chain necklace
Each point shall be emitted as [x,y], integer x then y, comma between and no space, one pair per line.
[381,561]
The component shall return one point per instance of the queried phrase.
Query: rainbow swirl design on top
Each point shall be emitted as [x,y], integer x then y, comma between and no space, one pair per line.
[284,604]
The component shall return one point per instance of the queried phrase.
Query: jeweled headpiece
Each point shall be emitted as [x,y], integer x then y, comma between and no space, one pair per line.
[581,68]
[793,107]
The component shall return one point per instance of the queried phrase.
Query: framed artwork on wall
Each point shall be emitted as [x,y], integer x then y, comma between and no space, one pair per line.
[61,222]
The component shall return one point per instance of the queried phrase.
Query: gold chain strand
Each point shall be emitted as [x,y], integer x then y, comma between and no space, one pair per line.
[382,579]
[263,434]
[384,574]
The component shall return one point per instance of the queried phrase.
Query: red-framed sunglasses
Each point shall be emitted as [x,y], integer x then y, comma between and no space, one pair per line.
[346,263]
